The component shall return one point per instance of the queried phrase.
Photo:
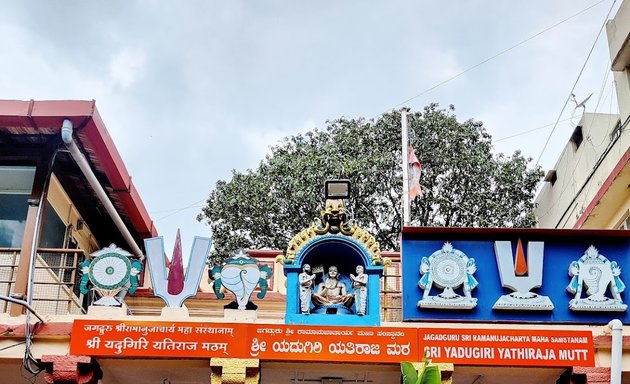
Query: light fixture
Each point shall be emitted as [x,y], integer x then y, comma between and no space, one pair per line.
[337,189]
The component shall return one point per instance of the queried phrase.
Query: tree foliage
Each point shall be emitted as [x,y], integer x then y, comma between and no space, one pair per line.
[463,183]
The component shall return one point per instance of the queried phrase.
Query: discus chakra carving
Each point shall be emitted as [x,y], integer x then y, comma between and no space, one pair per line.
[448,269]
[110,271]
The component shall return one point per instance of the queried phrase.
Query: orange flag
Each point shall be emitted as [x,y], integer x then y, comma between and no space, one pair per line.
[415,169]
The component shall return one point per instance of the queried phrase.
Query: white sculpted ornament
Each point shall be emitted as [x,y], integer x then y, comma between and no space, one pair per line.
[448,269]
[307,280]
[240,274]
[596,273]
[521,276]
[359,284]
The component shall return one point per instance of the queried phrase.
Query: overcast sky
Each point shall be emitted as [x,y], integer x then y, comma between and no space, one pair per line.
[190,90]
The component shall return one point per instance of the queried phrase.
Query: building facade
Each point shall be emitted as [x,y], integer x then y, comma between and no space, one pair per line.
[588,186]
[488,305]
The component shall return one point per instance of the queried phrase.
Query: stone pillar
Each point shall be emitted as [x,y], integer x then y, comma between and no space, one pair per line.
[234,371]
[590,375]
[446,371]
[71,369]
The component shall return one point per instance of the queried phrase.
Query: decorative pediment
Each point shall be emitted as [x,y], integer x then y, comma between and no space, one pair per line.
[333,220]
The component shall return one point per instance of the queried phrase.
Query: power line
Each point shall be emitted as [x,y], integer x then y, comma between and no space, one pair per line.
[566,180]
[193,205]
[495,56]
[528,131]
[178,210]
[575,83]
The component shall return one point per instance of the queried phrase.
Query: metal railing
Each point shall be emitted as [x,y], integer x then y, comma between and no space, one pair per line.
[55,279]
[9,259]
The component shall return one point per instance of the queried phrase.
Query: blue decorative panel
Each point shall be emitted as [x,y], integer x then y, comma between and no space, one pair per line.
[563,276]
[344,253]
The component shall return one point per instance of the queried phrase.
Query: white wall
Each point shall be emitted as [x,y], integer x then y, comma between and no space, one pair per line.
[562,204]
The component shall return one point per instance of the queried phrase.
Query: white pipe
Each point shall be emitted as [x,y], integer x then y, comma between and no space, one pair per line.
[616,326]
[405,166]
[66,135]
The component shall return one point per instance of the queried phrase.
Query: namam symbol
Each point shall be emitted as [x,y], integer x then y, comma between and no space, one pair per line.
[521,276]
[178,286]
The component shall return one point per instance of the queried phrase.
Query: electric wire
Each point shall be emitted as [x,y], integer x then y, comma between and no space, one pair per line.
[504,51]
[588,190]
[12,345]
[575,83]
[593,170]
[178,210]
[527,131]
[566,180]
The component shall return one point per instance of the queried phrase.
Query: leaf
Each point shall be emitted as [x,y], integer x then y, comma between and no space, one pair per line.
[409,373]
[431,375]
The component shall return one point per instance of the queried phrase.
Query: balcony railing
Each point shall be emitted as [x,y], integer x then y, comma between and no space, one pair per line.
[55,279]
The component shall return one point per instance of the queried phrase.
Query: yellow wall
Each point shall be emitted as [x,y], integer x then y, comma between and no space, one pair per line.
[68,213]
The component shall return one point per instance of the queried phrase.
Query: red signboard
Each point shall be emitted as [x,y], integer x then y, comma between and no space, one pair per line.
[157,339]
[333,344]
[343,344]
[508,347]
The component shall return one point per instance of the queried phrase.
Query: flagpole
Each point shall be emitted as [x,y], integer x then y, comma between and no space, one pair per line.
[405,166]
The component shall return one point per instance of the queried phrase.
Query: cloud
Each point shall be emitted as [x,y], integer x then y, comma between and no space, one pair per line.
[126,66]
[191,90]
[258,142]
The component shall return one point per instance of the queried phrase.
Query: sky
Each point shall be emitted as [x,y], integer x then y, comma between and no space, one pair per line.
[192,90]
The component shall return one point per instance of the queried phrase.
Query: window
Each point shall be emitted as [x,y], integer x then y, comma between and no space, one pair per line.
[16,185]
[53,229]
[576,137]
[616,132]
[551,176]
[625,222]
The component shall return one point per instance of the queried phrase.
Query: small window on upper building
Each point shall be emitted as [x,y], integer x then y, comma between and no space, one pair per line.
[576,137]
[551,176]
[616,132]
[624,223]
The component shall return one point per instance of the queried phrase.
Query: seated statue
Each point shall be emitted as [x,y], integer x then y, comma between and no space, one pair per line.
[332,291]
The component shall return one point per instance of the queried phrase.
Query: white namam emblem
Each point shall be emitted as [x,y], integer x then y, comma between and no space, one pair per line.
[448,269]
[521,276]
[596,273]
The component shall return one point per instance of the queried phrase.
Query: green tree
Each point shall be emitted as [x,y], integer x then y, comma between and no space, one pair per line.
[464,184]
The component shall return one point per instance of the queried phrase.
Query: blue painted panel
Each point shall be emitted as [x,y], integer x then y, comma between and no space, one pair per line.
[559,252]
[345,253]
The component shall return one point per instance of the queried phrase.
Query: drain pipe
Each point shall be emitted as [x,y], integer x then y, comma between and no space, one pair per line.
[66,136]
[616,328]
